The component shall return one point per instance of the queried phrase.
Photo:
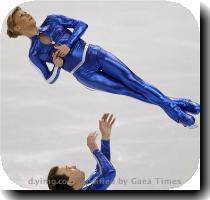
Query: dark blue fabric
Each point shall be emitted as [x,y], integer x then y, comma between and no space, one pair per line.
[56,27]
[104,71]
[101,70]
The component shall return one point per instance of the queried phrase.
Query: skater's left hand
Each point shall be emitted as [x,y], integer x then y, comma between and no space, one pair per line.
[62,50]
[105,125]
[58,61]
[91,141]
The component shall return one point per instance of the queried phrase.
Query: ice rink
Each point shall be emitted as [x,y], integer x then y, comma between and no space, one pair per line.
[46,125]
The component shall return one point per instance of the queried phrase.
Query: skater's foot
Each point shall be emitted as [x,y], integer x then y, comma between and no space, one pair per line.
[187,105]
[176,113]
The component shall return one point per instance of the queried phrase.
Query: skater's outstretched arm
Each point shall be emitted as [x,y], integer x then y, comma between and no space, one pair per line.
[78,26]
[105,125]
[106,174]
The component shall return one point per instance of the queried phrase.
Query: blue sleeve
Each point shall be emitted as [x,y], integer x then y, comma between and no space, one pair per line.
[105,149]
[49,76]
[78,26]
[107,172]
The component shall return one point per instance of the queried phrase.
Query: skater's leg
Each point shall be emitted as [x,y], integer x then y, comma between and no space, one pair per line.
[115,68]
[100,81]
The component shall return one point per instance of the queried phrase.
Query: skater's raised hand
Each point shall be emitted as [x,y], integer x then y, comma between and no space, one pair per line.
[91,141]
[105,125]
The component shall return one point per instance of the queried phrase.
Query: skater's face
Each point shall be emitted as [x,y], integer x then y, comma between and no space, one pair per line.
[76,176]
[23,21]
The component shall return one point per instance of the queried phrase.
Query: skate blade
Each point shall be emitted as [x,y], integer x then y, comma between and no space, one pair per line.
[193,126]
[89,88]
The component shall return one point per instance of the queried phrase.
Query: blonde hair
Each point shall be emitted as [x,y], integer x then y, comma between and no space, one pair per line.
[11,24]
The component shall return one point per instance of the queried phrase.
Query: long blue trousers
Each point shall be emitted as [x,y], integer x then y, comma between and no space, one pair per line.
[104,71]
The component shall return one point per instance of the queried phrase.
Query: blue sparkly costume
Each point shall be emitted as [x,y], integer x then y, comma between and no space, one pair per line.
[99,69]
[104,173]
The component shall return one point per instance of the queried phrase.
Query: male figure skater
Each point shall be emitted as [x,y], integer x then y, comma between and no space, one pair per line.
[67,178]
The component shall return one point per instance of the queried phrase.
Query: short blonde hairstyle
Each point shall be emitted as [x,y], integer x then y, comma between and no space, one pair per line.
[11,24]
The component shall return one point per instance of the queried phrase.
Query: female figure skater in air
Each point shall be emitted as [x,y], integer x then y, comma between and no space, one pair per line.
[90,64]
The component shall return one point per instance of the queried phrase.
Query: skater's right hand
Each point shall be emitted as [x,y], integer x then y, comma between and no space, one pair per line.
[105,125]
[91,141]
[58,61]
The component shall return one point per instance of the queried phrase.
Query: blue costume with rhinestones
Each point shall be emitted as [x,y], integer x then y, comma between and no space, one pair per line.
[99,69]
